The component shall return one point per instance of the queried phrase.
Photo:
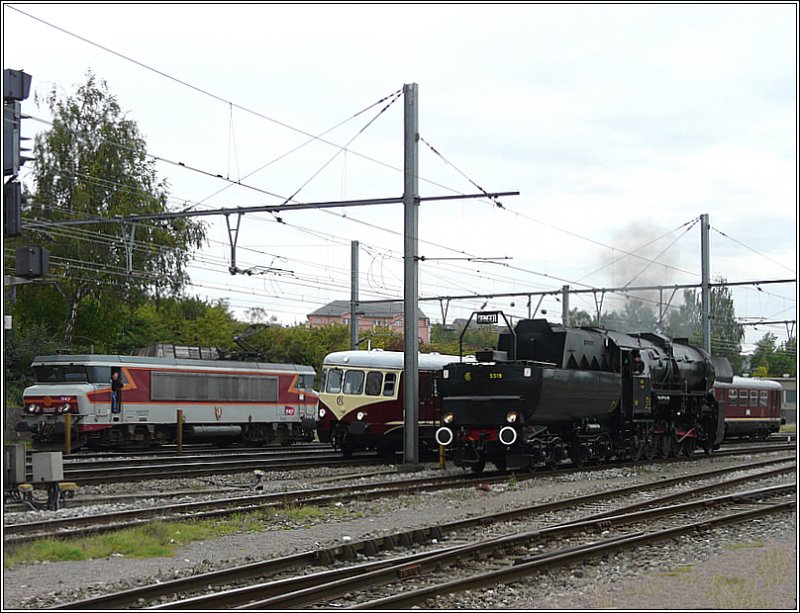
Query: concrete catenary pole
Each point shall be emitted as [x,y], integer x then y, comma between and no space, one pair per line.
[410,276]
[354,295]
[705,281]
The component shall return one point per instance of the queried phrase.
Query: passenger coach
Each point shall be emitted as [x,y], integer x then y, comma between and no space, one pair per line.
[752,406]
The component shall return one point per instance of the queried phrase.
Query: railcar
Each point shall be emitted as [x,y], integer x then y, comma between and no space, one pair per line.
[552,393]
[361,400]
[752,407]
[220,400]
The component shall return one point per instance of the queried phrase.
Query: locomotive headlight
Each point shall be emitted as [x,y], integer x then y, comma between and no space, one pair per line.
[512,417]
[444,436]
[32,408]
[322,412]
[448,418]
[507,435]
[360,416]
[64,408]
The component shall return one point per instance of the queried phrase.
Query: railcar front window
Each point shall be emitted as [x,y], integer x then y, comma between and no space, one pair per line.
[764,396]
[334,381]
[353,381]
[389,384]
[374,381]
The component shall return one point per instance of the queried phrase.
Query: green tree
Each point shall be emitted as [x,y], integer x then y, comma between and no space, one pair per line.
[93,163]
[726,332]
[636,316]
[771,360]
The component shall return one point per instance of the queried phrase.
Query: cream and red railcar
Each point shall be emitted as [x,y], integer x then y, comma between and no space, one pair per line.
[220,401]
[361,400]
[752,406]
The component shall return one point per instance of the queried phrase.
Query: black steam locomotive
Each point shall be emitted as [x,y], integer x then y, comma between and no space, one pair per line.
[551,393]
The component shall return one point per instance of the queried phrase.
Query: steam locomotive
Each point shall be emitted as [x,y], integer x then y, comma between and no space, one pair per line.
[551,393]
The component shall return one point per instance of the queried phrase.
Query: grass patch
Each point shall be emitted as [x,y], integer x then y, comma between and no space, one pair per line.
[738,593]
[156,539]
[680,570]
[789,428]
[750,545]
[512,481]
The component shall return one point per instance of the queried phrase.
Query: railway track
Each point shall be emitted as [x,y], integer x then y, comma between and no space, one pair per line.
[535,540]
[97,470]
[19,533]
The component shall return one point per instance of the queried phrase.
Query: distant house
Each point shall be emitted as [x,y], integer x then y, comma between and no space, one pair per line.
[370,316]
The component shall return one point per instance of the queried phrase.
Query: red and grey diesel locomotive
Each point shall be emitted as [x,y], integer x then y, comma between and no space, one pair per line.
[221,401]
[552,393]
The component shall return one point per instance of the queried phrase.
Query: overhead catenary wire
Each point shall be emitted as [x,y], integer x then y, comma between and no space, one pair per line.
[219,98]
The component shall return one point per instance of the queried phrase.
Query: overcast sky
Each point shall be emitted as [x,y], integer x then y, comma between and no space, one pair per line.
[619,125]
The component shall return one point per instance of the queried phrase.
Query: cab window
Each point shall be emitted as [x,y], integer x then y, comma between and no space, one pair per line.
[374,381]
[353,381]
[334,381]
[389,384]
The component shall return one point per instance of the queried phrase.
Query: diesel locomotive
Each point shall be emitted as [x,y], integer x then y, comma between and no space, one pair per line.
[222,401]
[551,393]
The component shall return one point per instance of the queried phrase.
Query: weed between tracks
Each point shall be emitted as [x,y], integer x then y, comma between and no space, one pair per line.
[162,539]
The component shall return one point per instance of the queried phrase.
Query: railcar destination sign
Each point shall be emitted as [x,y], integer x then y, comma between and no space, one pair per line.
[487,317]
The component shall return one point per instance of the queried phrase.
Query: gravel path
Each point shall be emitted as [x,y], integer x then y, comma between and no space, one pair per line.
[752,566]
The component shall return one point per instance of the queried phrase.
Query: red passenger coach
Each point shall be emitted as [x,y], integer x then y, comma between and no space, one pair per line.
[752,407]
[361,400]
[221,401]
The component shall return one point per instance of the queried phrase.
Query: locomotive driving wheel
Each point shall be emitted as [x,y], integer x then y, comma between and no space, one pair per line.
[650,448]
[579,455]
[665,445]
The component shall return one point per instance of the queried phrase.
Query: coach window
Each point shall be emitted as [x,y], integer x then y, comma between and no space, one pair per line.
[374,381]
[764,397]
[353,381]
[334,381]
[389,384]
[753,398]
[742,398]
[323,379]
[732,398]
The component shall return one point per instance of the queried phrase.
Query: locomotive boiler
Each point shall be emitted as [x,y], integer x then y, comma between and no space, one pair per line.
[551,393]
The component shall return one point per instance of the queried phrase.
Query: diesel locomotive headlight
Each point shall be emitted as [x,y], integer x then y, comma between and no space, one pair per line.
[31,408]
[63,408]
[360,416]
[322,412]
[512,417]
[448,418]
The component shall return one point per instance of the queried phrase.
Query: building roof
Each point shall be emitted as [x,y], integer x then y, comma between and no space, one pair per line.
[337,308]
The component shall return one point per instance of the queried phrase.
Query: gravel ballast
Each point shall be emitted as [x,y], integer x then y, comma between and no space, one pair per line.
[752,565]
